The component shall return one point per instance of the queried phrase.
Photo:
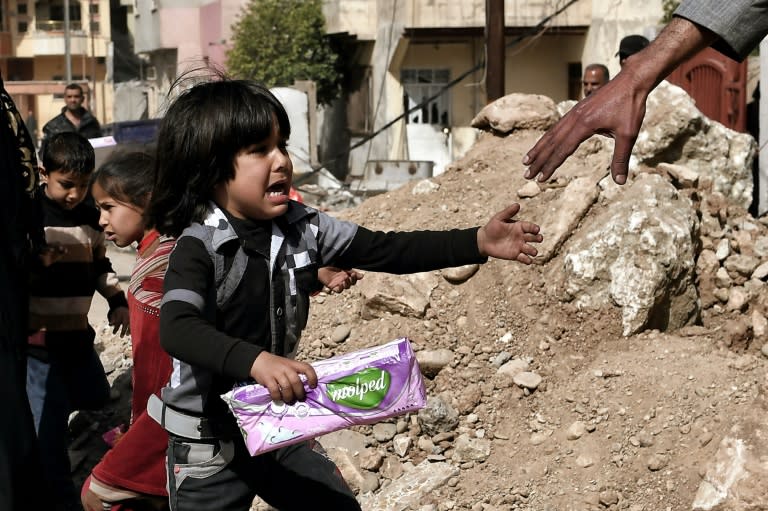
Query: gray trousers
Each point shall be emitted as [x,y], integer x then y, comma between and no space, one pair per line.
[222,475]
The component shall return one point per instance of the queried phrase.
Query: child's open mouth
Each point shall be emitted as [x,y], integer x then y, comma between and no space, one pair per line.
[276,190]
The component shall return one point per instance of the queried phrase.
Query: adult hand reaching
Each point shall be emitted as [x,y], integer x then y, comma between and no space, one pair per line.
[617,108]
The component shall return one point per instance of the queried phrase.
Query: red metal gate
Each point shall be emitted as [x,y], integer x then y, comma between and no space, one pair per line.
[717,84]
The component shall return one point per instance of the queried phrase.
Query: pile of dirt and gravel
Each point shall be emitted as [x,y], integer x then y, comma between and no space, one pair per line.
[545,395]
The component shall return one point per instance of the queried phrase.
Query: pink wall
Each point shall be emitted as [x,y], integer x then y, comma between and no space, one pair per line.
[181,29]
[214,44]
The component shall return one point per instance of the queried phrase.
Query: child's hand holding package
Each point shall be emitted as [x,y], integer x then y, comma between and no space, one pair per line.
[362,387]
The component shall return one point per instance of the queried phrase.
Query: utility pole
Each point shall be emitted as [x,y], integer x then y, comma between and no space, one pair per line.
[67,49]
[92,100]
[494,45]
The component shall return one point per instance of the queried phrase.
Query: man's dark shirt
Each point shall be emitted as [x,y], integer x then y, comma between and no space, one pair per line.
[89,126]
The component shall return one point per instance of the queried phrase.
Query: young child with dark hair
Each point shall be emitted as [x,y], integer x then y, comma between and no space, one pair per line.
[64,372]
[238,285]
[131,476]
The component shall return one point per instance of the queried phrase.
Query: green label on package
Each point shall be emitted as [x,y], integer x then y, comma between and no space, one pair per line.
[362,390]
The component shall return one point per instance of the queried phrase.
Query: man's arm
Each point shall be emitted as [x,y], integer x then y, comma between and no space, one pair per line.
[617,109]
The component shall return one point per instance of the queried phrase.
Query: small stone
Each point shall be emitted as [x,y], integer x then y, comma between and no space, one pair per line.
[576,431]
[459,274]
[341,333]
[425,444]
[527,380]
[432,362]
[513,367]
[401,444]
[759,324]
[609,498]
[761,272]
[528,190]
[425,186]
[657,462]
[723,249]
[384,431]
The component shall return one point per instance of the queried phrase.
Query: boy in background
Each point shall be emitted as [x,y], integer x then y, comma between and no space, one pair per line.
[64,372]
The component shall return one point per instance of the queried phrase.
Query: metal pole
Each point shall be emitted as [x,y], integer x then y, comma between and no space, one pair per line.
[92,103]
[494,44]
[67,49]
[762,155]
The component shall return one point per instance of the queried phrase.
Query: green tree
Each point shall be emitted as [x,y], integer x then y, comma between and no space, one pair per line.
[279,41]
[669,7]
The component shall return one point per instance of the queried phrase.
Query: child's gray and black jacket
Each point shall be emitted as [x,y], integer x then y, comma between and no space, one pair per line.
[235,288]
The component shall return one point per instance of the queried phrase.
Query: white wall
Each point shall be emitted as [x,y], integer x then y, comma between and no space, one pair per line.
[614,19]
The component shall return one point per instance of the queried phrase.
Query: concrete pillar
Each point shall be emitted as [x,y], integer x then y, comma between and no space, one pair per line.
[762,181]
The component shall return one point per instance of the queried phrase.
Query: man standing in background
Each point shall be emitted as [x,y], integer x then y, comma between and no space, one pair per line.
[595,76]
[629,46]
[73,117]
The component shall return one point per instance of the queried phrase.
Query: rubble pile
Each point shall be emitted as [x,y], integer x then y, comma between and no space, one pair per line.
[626,370]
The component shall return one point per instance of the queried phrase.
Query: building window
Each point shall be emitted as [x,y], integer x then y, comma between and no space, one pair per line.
[22,27]
[359,116]
[418,86]
[93,8]
[57,12]
[22,9]
[95,27]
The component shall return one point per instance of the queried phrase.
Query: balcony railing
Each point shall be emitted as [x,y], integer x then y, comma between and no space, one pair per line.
[56,25]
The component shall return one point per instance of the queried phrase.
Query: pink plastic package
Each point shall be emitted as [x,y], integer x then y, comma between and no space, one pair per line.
[361,387]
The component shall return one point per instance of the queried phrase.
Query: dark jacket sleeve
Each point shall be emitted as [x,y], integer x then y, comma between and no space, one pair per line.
[410,252]
[185,331]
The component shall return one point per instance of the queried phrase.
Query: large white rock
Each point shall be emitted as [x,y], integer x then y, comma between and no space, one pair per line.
[517,111]
[411,488]
[675,131]
[403,295]
[737,476]
[637,254]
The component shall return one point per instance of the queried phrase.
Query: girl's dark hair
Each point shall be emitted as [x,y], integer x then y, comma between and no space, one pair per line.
[127,176]
[198,139]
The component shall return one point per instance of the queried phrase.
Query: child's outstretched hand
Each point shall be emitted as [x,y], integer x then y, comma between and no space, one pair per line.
[118,319]
[336,279]
[505,238]
[280,376]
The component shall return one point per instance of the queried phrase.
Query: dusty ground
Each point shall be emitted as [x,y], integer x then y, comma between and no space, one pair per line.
[649,411]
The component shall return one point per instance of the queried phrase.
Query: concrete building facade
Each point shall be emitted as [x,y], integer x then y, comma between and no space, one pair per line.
[173,37]
[411,50]
[32,55]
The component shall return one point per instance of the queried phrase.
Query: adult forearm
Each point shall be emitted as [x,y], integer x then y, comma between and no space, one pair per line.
[680,40]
